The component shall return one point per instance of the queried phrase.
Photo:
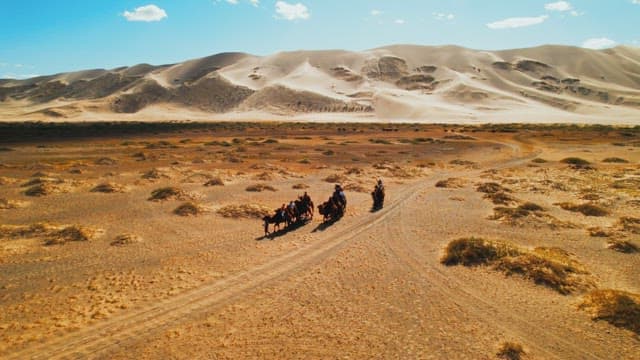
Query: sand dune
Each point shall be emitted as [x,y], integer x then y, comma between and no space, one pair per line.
[419,83]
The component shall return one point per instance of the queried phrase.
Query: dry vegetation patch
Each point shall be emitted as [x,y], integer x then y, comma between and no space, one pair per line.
[260,188]
[615,160]
[42,190]
[336,178]
[300,186]
[190,209]
[167,193]
[551,267]
[51,234]
[461,162]
[215,181]
[622,246]
[587,209]
[510,351]
[629,224]
[249,211]
[619,308]
[511,214]
[154,174]
[108,188]
[451,183]
[70,233]
[577,163]
[356,187]
[126,239]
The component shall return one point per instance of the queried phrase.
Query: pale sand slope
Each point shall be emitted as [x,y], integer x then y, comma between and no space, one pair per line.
[395,83]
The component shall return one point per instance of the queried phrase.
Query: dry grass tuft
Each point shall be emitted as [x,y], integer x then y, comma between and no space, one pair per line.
[154,174]
[250,211]
[451,183]
[260,188]
[108,188]
[500,198]
[623,246]
[41,180]
[618,308]
[629,224]
[167,193]
[300,186]
[265,176]
[492,188]
[462,162]
[352,186]
[126,239]
[585,209]
[22,231]
[598,232]
[510,351]
[42,190]
[529,206]
[577,163]
[336,178]
[551,267]
[70,233]
[616,160]
[512,214]
[189,209]
[475,251]
[216,181]
[539,161]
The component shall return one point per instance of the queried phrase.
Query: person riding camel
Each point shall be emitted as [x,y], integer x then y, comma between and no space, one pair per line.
[379,187]
[339,197]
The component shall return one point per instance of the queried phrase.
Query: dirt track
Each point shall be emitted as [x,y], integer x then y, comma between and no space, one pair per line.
[370,285]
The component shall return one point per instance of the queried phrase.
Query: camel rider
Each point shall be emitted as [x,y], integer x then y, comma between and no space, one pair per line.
[306,199]
[379,187]
[282,211]
[292,207]
[339,197]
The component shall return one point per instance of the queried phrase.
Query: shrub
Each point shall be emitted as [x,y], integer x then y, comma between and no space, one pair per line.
[586,209]
[619,308]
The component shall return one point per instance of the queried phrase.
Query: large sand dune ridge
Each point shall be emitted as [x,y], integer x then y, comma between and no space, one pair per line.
[402,82]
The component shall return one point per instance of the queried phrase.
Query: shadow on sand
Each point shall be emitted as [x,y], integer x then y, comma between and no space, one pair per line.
[284,231]
[326,224]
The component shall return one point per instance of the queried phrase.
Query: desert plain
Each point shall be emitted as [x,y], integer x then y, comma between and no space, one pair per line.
[145,240]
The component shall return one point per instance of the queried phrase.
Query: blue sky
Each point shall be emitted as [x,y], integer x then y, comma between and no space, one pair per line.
[40,37]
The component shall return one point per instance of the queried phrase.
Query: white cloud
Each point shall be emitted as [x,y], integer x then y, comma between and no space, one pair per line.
[599,43]
[517,22]
[232,2]
[376,12]
[292,11]
[400,21]
[635,1]
[145,13]
[255,2]
[443,16]
[558,6]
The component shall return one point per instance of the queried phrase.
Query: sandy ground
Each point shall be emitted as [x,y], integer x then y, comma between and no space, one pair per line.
[370,285]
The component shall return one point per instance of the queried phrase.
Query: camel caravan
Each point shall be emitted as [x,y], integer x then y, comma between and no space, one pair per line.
[300,211]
